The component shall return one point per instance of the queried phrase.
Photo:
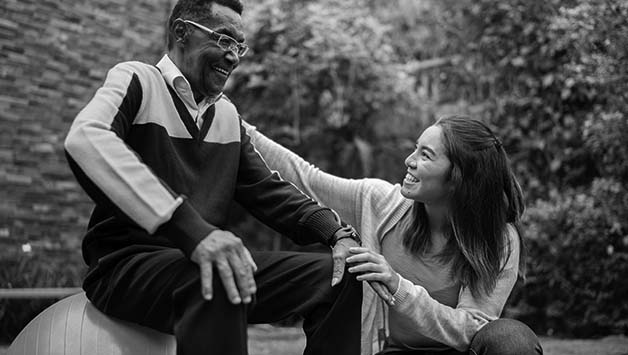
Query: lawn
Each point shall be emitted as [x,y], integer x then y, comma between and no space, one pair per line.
[267,340]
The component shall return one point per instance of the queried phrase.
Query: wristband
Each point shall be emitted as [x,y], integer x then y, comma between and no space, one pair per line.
[345,232]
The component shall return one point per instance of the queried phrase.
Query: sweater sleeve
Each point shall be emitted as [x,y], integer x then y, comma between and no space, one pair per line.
[279,203]
[113,174]
[455,327]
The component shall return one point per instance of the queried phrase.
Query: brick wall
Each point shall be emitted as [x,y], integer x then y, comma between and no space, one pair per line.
[53,56]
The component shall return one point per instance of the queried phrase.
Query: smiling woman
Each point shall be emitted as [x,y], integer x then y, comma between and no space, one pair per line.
[428,170]
[445,243]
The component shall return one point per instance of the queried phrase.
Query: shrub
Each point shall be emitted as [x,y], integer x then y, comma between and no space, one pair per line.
[578,259]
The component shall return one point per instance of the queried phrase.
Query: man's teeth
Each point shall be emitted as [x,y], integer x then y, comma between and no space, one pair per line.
[222,71]
[411,178]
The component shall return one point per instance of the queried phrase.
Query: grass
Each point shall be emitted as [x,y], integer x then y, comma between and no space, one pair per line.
[266,340]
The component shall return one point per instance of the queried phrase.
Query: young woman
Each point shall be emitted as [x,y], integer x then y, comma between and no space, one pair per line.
[445,242]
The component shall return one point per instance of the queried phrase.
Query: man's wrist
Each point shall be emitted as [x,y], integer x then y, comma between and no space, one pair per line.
[346,232]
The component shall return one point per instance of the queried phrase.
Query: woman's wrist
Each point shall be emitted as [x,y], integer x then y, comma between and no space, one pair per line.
[395,283]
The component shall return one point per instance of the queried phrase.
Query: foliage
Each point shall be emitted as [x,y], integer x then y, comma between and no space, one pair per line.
[321,75]
[34,269]
[579,243]
[541,70]
[605,136]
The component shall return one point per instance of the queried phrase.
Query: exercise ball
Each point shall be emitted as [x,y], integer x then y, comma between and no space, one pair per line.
[73,326]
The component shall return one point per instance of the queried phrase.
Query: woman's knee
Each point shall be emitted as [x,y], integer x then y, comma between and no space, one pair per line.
[505,337]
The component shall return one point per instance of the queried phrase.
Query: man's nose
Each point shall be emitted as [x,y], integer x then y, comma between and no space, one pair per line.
[232,57]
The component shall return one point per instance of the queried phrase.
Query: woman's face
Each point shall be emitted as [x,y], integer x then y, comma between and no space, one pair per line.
[428,166]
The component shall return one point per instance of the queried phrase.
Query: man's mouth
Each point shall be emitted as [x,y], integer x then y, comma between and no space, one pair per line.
[221,71]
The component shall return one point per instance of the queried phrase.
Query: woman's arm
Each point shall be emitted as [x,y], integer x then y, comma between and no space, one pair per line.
[348,197]
[454,327]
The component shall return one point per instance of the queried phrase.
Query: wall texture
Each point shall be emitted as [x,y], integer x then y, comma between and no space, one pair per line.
[53,56]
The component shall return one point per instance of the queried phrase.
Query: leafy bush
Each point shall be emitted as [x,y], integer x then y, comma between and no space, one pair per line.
[578,246]
[539,70]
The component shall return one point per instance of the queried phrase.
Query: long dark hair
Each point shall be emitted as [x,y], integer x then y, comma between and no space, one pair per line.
[485,198]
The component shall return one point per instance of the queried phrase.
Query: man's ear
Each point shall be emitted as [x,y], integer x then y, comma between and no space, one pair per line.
[180,32]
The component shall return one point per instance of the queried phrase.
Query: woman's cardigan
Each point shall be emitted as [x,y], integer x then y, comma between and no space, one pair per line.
[374,207]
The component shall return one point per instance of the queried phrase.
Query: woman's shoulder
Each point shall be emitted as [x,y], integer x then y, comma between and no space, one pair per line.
[512,236]
[382,192]
[512,246]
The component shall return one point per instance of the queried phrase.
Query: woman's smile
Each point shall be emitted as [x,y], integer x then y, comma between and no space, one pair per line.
[410,179]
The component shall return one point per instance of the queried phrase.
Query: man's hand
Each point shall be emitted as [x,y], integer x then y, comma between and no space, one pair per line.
[233,261]
[340,253]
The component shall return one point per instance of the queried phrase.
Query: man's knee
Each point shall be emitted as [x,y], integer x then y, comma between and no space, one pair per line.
[506,337]
[323,267]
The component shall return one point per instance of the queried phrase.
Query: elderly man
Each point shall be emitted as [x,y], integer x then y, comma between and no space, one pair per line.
[163,153]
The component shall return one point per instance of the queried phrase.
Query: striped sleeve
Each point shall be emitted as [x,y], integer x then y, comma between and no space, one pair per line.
[109,171]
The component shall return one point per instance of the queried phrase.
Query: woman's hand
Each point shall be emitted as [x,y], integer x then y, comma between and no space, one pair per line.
[372,267]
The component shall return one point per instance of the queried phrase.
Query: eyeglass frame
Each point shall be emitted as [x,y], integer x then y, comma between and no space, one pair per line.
[240,49]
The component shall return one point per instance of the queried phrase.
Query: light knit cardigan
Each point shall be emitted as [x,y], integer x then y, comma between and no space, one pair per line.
[374,207]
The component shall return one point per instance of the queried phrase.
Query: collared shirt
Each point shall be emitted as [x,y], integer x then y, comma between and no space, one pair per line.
[182,87]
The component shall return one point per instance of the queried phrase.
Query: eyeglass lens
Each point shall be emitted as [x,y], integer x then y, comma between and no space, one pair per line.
[228,44]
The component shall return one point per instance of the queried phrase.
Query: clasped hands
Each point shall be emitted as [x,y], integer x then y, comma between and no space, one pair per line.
[236,267]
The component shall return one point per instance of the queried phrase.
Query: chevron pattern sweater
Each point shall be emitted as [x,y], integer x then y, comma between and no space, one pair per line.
[158,179]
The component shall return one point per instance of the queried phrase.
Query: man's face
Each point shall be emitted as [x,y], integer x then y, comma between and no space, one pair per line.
[203,63]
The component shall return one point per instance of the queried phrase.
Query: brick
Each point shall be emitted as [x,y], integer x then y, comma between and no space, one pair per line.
[55,54]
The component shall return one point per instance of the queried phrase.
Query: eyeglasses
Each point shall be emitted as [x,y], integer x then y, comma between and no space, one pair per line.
[226,43]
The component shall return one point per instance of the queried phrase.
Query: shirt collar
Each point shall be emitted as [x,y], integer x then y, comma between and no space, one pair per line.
[180,84]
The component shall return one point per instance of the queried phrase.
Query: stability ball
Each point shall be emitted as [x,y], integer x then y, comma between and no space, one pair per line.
[73,326]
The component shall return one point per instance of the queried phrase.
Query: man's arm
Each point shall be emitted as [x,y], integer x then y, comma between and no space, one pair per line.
[113,174]
[278,203]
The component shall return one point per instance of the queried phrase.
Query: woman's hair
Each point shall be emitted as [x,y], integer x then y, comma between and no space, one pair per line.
[485,198]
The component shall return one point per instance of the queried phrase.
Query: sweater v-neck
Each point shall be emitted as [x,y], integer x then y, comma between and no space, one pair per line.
[187,119]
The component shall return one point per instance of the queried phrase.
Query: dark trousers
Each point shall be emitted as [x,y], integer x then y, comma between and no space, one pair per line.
[160,288]
[499,337]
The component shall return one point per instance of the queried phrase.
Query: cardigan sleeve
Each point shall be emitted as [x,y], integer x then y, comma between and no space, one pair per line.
[345,196]
[455,327]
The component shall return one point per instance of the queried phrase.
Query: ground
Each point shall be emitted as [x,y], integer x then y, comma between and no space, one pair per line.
[266,340]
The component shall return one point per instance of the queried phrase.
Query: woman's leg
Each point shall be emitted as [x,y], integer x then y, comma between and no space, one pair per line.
[505,337]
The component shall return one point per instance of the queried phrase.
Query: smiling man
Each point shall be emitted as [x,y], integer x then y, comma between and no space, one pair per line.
[163,154]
